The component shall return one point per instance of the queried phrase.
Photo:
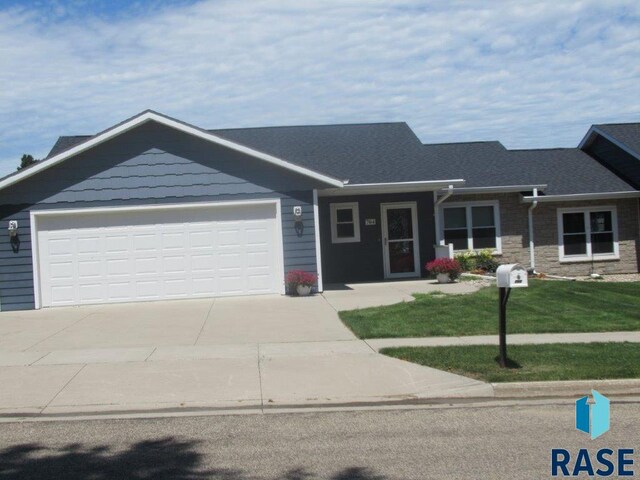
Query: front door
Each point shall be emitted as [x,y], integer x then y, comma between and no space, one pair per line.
[400,240]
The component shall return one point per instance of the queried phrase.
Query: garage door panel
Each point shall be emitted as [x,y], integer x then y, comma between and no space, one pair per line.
[116,243]
[145,242]
[201,239]
[203,262]
[176,288]
[229,237]
[90,269]
[91,292]
[231,285]
[257,259]
[60,246]
[147,289]
[259,283]
[119,291]
[64,295]
[62,270]
[173,240]
[177,264]
[203,286]
[141,255]
[146,266]
[117,267]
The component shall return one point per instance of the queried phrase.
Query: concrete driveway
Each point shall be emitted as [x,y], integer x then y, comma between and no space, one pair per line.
[229,352]
[237,320]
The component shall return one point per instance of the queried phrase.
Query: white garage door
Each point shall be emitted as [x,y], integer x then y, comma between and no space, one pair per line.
[158,254]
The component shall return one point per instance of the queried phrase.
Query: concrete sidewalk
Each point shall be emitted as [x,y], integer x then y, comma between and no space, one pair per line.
[224,352]
[513,339]
[213,376]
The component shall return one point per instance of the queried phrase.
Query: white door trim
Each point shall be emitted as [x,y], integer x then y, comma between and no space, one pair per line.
[35,214]
[316,221]
[416,241]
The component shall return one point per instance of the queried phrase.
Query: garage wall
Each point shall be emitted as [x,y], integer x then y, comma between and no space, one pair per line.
[152,164]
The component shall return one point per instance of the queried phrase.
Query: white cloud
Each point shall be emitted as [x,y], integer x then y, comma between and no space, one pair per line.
[531,74]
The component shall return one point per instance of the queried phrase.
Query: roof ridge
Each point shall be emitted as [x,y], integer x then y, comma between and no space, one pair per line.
[307,126]
[463,143]
[616,124]
[546,149]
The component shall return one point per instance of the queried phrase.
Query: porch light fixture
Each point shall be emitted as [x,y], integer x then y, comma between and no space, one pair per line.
[13,228]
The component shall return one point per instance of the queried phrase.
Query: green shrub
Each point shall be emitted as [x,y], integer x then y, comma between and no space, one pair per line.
[485,261]
[477,260]
[467,260]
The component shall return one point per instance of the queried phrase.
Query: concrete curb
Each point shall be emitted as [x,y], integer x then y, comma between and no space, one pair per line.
[18,416]
[566,388]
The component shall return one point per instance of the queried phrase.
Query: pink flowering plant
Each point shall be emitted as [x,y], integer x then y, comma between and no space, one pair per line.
[444,265]
[300,277]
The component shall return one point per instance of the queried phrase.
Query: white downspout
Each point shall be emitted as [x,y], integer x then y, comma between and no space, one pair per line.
[532,254]
[436,213]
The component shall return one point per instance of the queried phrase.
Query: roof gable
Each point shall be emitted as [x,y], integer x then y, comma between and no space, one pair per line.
[624,135]
[151,116]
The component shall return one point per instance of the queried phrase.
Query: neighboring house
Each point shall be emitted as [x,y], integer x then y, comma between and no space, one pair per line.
[616,145]
[154,208]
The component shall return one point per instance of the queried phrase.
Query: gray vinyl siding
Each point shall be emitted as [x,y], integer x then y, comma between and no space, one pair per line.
[617,160]
[363,261]
[150,165]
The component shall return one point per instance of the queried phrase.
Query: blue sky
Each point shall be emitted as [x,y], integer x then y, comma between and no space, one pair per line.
[528,73]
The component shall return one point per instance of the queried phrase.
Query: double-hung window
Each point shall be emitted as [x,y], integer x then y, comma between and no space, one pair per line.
[588,233]
[472,226]
[345,222]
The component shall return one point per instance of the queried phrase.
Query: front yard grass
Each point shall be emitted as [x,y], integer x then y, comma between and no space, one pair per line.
[544,307]
[575,361]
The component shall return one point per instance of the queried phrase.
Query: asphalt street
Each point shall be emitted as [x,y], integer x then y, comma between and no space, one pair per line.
[511,442]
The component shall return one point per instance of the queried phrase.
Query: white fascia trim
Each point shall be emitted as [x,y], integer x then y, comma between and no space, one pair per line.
[391,187]
[35,260]
[498,189]
[316,220]
[581,196]
[138,208]
[170,122]
[588,138]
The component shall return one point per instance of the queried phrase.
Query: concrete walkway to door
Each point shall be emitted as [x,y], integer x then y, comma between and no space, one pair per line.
[363,295]
[227,352]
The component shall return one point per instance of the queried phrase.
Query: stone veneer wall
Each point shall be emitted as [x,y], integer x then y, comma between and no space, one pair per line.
[515,234]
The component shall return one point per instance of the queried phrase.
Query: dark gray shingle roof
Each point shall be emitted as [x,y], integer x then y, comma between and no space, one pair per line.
[360,153]
[625,133]
[564,170]
[390,152]
[65,143]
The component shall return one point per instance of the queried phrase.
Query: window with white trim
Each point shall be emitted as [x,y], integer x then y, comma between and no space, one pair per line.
[345,222]
[588,233]
[471,226]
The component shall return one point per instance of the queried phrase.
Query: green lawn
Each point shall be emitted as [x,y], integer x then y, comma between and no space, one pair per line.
[591,361]
[546,306]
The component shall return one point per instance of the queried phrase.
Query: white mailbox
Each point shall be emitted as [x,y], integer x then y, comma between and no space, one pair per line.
[511,276]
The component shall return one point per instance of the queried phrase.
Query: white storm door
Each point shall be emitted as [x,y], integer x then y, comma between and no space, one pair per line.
[400,240]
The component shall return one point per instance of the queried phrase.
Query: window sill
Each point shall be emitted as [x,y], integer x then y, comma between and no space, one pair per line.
[495,253]
[589,259]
